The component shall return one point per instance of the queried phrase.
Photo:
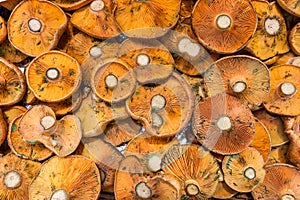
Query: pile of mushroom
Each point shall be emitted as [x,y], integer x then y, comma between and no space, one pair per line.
[149,99]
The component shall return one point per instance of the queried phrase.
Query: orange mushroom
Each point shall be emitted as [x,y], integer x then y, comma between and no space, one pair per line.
[3,128]
[74,177]
[10,113]
[223,125]
[15,177]
[223,191]
[279,155]
[224,26]
[71,4]
[291,6]
[10,53]
[12,83]
[244,77]
[3,30]
[53,76]
[34,27]
[294,38]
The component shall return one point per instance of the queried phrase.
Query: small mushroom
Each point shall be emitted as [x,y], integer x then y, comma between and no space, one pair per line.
[10,113]
[223,125]
[291,6]
[224,26]
[294,38]
[281,182]
[74,177]
[244,77]
[3,128]
[15,177]
[53,76]
[10,53]
[270,37]
[33,28]
[279,155]
[3,30]
[244,171]
[284,91]
[71,5]
[12,83]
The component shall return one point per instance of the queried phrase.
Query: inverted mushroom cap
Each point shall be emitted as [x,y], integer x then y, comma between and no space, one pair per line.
[3,30]
[294,38]
[224,26]
[33,28]
[223,125]
[3,128]
[73,177]
[244,77]
[284,95]
[281,182]
[53,76]
[12,83]
[10,53]
[291,6]
[71,4]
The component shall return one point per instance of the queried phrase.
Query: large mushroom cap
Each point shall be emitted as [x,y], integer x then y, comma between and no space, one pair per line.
[223,125]
[75,177]
[35,27]
[224,26]
[244,77]
[12,83]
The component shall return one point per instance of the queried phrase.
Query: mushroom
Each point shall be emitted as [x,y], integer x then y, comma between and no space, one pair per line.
[12,83]
[284,96]
[224,26]
[279,155]
[3,128]
[223,191]
[53,76]
[74,177]
[15,177]
[33,28]
[113,82]
[244,171]
[71,5]
[223,125]
[291,6]
[244,77]
[288,58]
[270,37]
[146,20]
[294,38]
[36,151]
[163,109]
[195,168]
[10,53]
[281,182]
[3,30]
[10,113]
[9,4]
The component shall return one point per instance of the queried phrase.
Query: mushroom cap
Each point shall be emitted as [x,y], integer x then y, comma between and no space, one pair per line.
[3,30]
[34,29]
[270,19]
[237,20]
[53,76]
[21,172]
[223,191]
[10,113]
[3,128]
[279,155]
[99,23]
[223,125]
[239,69]
[244,171]
[78,176]
[294,36]
[12,83]
[10,53]
[71,4]
[9,4]
[163,109]
[192,164]
[284,91]
[36,152]
[291,6]
[146,20]
[280,180]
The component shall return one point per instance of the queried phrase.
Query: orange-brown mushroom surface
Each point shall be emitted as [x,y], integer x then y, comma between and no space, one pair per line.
[223,125]
[35,27]
[73,177]
[69,5]
[10,53]
[12,83]
[3,30]
[10,113]
[294,147]
[53,76]
[3,128]
[291,6]
[294,38]
[279,155]
[223,191]
[224,26]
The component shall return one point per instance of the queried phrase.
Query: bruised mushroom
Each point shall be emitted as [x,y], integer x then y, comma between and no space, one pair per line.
[294,38]
[10,53]
[3,30]
[3,128]
[223,125]
[34,27]
[291,6]
[12,83]
[15,177]
[74,177]
[224,26]
[69,5]
[53,76]
[244,77]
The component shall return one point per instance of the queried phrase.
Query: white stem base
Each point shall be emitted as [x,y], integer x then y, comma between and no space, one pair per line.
[34,25]
[272,26]
[287,197]
[143,191]
[158,102]
[287,88]
[143,60]
[12,180]
[224,123]
[239,87]
[185,45]
[47,122]
[52,73]
[60,195]
[154,162]
[111,81]
[250,173]
[157,121]
[95,52]
[223,21]
[97,5]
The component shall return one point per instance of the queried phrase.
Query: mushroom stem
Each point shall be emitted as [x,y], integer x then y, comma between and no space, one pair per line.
[2,82]
[224,123]
[239,86]
[157,120]
[52,73]
[192,188]
[250,173]
[34,25]
[288,88]
[95,52]
[60,194]
[158,102]
[287,197]
[97,5]
[111,81]
[47,122]
[223,21]
[143,191]
[272,26]
[143,60]
[185,45]
[12,179]
[154,162]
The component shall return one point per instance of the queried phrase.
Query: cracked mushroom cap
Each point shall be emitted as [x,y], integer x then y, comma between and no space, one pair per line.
[69,5]
[195,168]
[163,109]
[270,37]
[244,171]
[291,6]
[10,53]
[3,128]
[223,125]
[282,181]
[96,19]
[294,38]
[244,77]
[34,27]
[224,26]
[15,177]
[3,30]
[149,19]
[53,76]
[12,83]
[284,95]
[73,177]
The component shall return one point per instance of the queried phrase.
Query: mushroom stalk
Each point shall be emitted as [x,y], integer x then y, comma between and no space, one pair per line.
[192,188]
[60,195]
[287,197]
[12,180]
[143,191]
